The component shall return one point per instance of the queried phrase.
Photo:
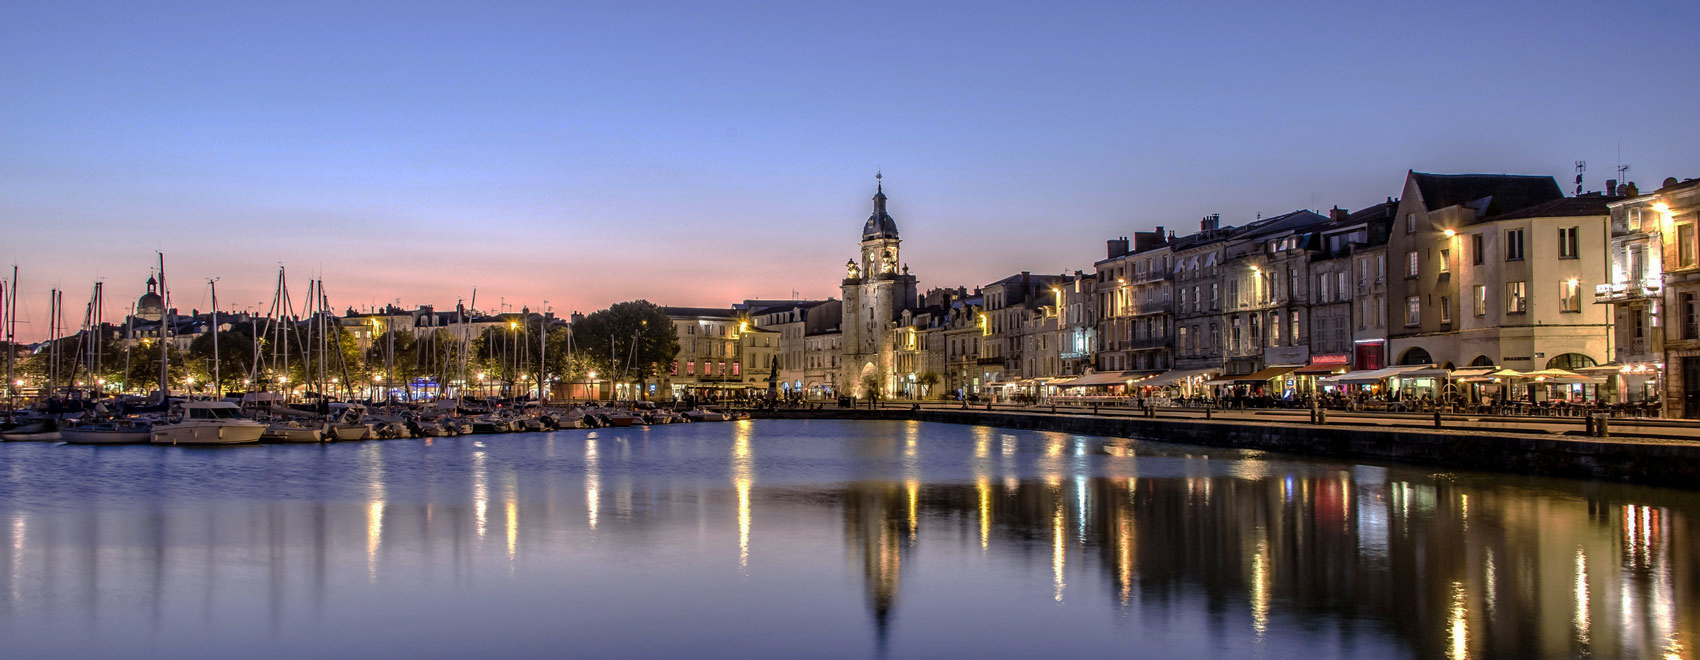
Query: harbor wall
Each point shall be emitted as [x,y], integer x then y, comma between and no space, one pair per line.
[1674,464]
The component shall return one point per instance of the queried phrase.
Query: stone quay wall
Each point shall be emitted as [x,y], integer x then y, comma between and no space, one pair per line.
[1666,463]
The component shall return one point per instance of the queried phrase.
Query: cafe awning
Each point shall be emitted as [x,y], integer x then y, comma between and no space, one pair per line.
[1177,376]
[1101,379]
[1265,375]
[1370,375]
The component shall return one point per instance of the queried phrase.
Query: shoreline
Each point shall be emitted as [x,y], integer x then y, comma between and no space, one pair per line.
[1632,460]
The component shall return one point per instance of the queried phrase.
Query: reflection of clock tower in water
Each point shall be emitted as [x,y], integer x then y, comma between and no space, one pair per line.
[876,291]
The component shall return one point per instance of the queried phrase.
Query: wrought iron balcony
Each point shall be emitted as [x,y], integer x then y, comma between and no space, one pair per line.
[1627,290]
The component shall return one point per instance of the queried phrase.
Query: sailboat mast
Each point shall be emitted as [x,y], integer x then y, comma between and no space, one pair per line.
[97,370]
[165,324]
[8,312]
[130,336]
[218,391]
[389,352]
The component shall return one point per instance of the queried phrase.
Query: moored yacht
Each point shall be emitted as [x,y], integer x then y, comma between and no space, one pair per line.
[209,423]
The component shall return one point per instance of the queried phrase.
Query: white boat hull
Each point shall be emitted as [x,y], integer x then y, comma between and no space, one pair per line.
[207,434]
[48,436]
[292,434]
[347,433]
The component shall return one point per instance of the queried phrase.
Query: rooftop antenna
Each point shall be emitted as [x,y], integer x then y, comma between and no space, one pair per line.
[1581,166]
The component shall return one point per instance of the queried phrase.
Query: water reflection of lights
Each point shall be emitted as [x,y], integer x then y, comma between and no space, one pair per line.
[375,509]
[1490,579]
[1458,624]
[374,537]
[512,509]
[1124,553]
[480,493]
[983,489]
[1080,507]
[1059,549]
[592,481]
[20,532]
[743,475]
[1260,589]
[913,489]
[1583,619]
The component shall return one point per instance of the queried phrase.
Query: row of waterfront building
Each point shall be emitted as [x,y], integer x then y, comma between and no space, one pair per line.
[1459,273]
[1462,274]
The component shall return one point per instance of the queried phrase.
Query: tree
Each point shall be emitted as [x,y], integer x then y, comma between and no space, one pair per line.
[871,386]
[235,357]
[632,341]
[404,363]
[927,380]
[144,366]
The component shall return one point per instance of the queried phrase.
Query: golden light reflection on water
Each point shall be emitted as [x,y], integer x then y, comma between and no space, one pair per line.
[983,492]
[1458,624]
[375,508]
[512,509]
[913,489]
[743,475]
[1260,589]
[1059,548]
[1125,541]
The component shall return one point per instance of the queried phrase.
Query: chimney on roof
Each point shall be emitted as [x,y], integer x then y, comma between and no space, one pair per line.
[1161,235]
[1117,247]
[1171,235]
[1337,214]
[1611,186]
[1026,281]
[1210,222]
[1629,189]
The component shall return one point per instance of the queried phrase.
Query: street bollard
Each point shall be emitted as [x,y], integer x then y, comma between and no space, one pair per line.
[1603,427]
[1588,425]
[1321,416]
[1207,412]
[1437,419]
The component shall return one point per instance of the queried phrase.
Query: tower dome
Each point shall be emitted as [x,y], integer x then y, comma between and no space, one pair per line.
[880,225]
[151,306]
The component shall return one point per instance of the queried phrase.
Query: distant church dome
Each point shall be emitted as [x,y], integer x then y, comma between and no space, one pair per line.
[880,225]
[151,306]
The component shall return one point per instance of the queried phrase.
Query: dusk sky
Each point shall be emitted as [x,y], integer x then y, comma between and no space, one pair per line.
[701,153]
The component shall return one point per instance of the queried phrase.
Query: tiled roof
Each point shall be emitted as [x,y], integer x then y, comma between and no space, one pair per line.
[1562,208]
[1504,193]
[718,312]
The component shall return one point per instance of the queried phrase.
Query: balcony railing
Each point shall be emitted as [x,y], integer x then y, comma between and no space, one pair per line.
[1627,290]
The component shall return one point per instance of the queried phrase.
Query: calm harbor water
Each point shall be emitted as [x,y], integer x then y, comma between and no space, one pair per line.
[780,539]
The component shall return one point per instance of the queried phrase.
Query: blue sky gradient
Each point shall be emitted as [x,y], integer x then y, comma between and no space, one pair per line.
[698,153]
